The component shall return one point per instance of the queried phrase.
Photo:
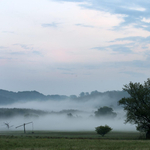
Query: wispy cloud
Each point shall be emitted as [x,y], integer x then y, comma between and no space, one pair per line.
[24,46]
[135,39]
[82,25]
[119,48]
[53,24]
[37,53]
[65,69]
[133,64]
[134,12]
[2,47]
[67,73]
[133,74]
[11,32]
[6,58]
[17,53]
[143,42]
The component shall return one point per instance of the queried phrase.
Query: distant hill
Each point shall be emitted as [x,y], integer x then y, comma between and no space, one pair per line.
[9,97]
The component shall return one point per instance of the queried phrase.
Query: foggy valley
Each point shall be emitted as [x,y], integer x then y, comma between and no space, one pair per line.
[73,72]
[73,113]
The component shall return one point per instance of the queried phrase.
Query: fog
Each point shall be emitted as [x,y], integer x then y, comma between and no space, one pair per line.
[82,119]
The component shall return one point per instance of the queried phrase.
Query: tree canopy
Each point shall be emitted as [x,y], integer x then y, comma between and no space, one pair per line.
[105,112]
[137,105]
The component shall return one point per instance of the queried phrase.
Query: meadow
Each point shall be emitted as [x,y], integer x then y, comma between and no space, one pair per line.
[58,140]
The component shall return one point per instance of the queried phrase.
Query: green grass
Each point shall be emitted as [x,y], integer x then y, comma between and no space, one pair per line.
[46,140]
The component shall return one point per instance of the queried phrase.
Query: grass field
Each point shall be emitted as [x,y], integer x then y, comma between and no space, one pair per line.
[48,140]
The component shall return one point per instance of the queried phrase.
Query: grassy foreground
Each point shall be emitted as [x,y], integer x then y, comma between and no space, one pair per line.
[72,141]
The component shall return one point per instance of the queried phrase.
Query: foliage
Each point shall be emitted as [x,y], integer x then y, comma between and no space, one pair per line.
[105,112]
[137,105]
[69,115]
[14,112]
[102,130]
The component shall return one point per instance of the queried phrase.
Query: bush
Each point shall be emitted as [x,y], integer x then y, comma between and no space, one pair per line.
[102,130]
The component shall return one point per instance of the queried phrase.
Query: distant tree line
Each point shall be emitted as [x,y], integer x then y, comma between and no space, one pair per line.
[102,112]
[28,113]
[95,94]
[13,112]
[9,97]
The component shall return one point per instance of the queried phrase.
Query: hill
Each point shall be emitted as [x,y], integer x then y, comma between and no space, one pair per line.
[9,97]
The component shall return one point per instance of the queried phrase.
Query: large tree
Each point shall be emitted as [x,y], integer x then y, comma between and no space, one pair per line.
[137,105]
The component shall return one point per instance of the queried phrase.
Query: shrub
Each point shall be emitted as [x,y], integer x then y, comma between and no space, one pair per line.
[102,130]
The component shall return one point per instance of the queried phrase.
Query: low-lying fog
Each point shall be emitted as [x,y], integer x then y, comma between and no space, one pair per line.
[82,119]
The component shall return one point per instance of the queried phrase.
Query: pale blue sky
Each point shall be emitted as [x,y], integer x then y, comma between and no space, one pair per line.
[73,46]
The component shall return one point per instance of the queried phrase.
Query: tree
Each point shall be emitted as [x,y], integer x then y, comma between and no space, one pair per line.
[102,130]
[82,94]
[105,112]
[137,105]
[70,115]
[73,97]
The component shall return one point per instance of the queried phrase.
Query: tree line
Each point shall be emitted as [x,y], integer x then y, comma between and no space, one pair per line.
[9,97]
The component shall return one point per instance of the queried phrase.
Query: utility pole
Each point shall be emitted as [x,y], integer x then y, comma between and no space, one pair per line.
[25,125]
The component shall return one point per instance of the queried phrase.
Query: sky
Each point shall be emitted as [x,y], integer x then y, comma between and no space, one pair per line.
[71,46]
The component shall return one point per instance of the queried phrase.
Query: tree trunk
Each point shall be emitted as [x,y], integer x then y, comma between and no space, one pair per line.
[148,134]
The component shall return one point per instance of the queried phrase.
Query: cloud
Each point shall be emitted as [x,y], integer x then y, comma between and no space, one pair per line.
[17,53]
[147,20]
[140,64]
[5,58]
[2,47]
[53,24]
[135,39]
[120,48]
[37,53]
[82,25]
[24,46]
[65,69]
[11,32]
[134,12]
[136,66]
[69,73]
[124,48]
[25,54]
[133,74]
